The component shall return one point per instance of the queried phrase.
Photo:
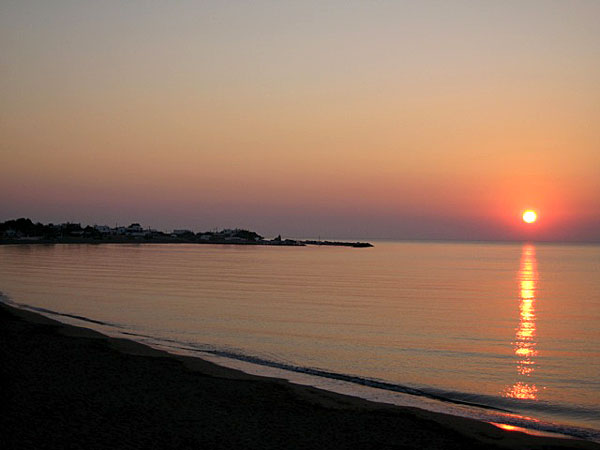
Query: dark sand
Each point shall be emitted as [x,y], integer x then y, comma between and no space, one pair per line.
[67,387]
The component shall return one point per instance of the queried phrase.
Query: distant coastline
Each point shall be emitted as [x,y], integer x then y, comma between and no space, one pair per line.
[24,231]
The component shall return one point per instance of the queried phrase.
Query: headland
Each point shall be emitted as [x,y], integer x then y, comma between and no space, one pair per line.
[24,231]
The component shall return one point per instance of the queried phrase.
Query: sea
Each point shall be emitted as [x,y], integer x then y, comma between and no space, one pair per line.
[507,333]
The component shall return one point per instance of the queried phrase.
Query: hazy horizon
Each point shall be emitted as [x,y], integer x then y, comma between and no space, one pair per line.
[380,120]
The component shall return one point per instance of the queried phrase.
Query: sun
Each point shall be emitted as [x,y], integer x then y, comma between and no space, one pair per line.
[529,216]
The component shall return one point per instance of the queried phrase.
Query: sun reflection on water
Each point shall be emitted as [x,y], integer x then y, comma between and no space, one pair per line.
[524,344]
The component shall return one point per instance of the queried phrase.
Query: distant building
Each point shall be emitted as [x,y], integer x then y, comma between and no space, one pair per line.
[136,230]
[119,230]
[183,234]
[103,229]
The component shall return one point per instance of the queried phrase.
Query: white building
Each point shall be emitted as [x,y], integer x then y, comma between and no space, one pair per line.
[103,229]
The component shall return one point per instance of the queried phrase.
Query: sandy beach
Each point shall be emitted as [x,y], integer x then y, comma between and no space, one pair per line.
[70,387]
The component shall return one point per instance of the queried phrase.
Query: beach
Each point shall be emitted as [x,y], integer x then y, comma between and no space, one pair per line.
[71,387]
[299,225]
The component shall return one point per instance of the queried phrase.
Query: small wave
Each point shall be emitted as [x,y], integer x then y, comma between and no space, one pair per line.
[498,408]
[363,381]
[522,404]
[5,299]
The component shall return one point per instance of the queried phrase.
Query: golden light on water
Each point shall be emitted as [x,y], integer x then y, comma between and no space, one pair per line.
[525,345]
[529,216]
[523,390]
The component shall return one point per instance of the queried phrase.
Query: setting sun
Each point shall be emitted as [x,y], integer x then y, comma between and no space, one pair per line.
[529,216]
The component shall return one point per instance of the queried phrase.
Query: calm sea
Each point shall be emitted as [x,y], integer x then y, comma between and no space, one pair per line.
[507,333]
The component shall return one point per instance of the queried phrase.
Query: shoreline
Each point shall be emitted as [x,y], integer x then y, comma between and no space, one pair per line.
[75,385]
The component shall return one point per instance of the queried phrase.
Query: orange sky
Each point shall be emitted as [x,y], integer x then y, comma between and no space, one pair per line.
[351,119]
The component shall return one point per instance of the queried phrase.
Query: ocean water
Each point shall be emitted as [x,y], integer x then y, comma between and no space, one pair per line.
[507,333]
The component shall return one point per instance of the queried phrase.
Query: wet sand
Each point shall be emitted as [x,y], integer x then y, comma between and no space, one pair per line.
[68,387]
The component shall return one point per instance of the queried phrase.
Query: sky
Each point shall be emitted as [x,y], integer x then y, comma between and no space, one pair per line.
[340,119]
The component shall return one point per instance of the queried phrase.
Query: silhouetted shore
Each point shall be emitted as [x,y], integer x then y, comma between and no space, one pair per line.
[168,240]
[25,231]
[69,387]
